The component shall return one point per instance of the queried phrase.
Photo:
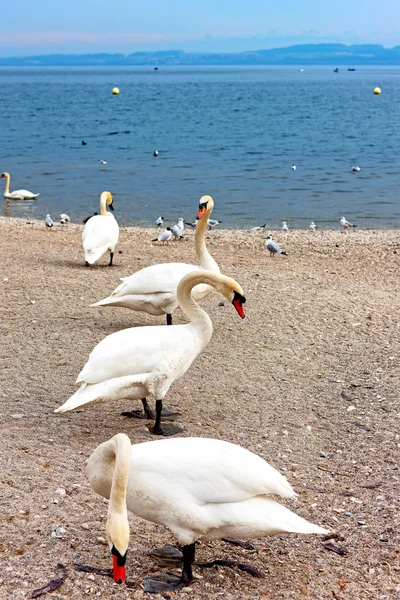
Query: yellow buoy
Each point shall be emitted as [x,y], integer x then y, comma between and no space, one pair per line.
[116,91]
[377,91]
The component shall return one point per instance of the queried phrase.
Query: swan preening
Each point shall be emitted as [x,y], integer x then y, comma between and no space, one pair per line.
[18,194]
[153,289]
[199,488]
[133,363]
[101,232]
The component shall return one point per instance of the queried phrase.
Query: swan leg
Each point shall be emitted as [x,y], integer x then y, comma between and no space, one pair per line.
[87,264]
[168,582]
[110,264]
[168,428]
[169,319]
[149,413]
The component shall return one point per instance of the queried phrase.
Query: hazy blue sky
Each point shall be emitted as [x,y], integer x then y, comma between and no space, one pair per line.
[47,26]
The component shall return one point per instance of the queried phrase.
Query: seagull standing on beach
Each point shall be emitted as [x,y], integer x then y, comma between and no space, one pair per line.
[160,221]
[273,247]
[48,221]
[165,236]
[258,227]
[181,224]
[285,227]
[345,224]
[64,218]
[213,223]
[312,226]
[177,231]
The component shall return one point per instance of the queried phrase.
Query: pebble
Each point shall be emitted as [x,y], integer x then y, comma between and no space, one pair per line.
[308,428]
[60,491]
[323,455]
[17,416]
[347,514]
[84,526]
[58,532]
[351,408]
[102,540]
[91,577]
[320,561]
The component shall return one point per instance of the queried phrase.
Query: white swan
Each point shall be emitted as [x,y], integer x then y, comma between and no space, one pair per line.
[199,488]
[135,362]
[153,289]
[18,194]
[101,232]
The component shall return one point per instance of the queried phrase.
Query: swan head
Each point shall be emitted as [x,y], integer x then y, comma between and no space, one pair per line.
[206,204]
[5,174]
[109,199]
[233,292]
[118,540]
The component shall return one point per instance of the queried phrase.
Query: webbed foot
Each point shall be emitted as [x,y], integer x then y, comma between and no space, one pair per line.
[163,583]
[166,429]
[166,414]
[167,553]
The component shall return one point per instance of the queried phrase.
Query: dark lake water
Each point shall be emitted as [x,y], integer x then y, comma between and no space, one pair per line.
[230,132]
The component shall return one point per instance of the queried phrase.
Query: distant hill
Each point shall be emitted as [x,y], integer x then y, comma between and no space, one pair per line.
[305,54]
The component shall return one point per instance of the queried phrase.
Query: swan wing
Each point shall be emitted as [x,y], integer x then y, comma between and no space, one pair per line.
[22,195]
[210,471]
[160,278]
[134,351]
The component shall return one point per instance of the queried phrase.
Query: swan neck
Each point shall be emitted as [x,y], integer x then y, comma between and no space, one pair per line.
[120,447]
[192,310]
[203,256]
[7,188]
[103,206]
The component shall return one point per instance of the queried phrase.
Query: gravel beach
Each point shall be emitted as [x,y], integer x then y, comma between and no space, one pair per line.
[309,380]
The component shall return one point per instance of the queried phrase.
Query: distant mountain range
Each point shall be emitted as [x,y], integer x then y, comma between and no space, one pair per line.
[300,55]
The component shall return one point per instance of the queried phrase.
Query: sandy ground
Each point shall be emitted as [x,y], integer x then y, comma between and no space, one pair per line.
[309,380]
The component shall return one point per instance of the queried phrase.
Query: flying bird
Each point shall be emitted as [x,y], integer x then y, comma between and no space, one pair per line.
[273,247]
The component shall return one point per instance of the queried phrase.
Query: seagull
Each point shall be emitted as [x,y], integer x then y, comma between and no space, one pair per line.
[64,218]
[48,221]
[285,226]
[89,217]
[355,169]
[273,247]
[193,225]
[160,221]
[213,223]
[345,223]
[103,162]
[294,167]
[164,236]
[312,226]
[155,153]
[258,227]
[84,143]
[177,231]
[181,224]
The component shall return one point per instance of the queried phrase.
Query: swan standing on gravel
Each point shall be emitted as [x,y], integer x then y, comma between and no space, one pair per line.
[135,362]
[199,488]
[101,232]
[153,289]
[18,194]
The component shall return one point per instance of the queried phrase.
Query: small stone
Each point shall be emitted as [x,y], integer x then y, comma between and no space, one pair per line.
[347,514]
[44,506]
[17,416]
[91,577]
[58,533]
[60,491]
[308,428]
[320,561]
[285,432]
[84,526]
[351,409]
[54,500]
[102,540]
[33,301]
[361,522]
[187,590]
[76,485]
[322,455]
[5,278]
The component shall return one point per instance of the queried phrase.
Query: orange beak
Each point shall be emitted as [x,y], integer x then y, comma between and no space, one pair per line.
[202,210]
[118,571]
[239,307]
